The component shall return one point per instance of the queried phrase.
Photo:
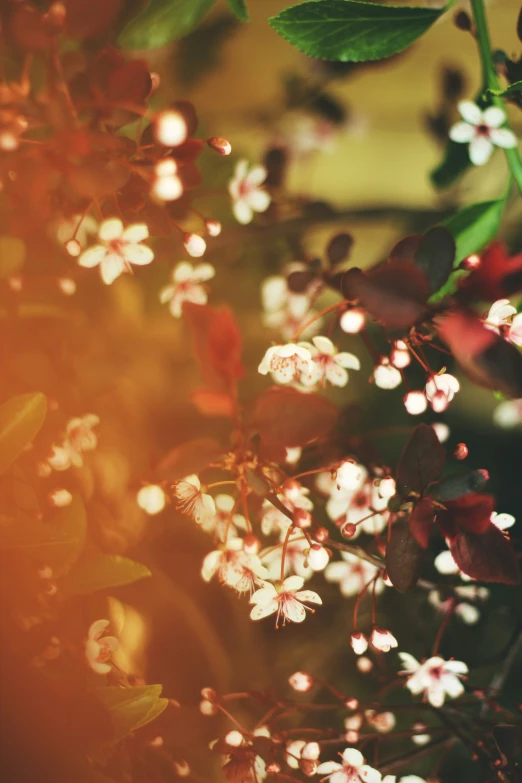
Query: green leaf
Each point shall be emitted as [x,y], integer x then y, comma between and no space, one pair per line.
[456,162]
[57,543]
[131,708]
[352,31]
[100,573]
[475,226]
[12,255]
[163,21]
[513,89]
[20,419]
[239,8]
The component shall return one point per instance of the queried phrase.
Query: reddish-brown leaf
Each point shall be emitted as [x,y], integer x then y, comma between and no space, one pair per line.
[422,460]
[189,457]
[487,556]
[421,522]
[497,276]
[404,559]
[489,360]
[87,18]
[394,294]
[472,511]
[285,417]
[217,342]
[405,249]
[211,402]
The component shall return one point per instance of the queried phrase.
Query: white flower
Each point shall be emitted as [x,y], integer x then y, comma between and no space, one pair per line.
[286,363]
[352,574]
[359,642]
[385,376]
[287,600]
[440,390]
[192,500]
[222,521]
[415,402]
[499,313]
[247,195]
[349,475]
[502,521]
[151,499]
[79,438]
[482,131]
[328,364]
[445,563]
[300,749]
[235,567]
[351,770]
[383,640]
[318,557]
[187,286]
[350,507]
[119,247]
[98,648]
[295,498]
[296,562]
[383,722]
[76,228]
[435,678]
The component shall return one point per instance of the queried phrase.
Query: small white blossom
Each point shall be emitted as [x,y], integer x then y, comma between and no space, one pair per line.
[435,678]
[99,648]
[118,249]
[503,521]
[234,567]
[301,681]
[192,500]
[246,192]
[359,642]
[327,363]
[286,363]
[187,286]
[481,129]
[385,376]
[287,600]
[383,640]
[79,438]
[352,574]
[351,770]
[383,722]
[440,390]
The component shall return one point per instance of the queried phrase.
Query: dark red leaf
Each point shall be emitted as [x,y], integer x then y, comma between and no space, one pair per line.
[421,522]
[285,417]
[421,462]
[489,360]
[394,294]
[217,343]
[404,559]
[338,249]
[189,457]
[211,402]
[86,18]
[405,249]
[471,512]
[459,484]
[435,256]
[497,276]
[486,556]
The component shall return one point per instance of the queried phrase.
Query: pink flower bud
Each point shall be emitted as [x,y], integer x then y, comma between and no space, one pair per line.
[220,145]
[383,640]
[461,451]
[318,557]
[321,534]
[195,245]
[359,642]
[213,227]
[348,530]
[73,247]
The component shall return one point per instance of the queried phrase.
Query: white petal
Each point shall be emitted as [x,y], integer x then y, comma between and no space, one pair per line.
[135,233]
[480,150]
[203,272]
[241,170]
[503,137]
[293,610]
[242,212]
[256,175]
[369,774]
[166,294]
[263,610]
[494,117]
[353,757]
[324,345]
[347,360]
[258,200]
[211,564]
[112,267]
[264,595]
[452,685]
[470,112]
[93,256]
[138,254]
[327,767]
[335,374]
[110,229]
[462,132]
[309,596]
[293,583]
[410,664]
[457,667]
[436,694]
[182,272]
[97,628]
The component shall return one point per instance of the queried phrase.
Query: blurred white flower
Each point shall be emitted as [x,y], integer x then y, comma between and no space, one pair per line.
[327,363]
[481,129]
[435,678]
[246,192]
[99,648]
[118,249]
[187,286]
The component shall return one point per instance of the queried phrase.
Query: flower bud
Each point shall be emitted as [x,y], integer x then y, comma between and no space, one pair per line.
[301,681]
[170,128]
[415,402]
[359,642]
[195,245]
[461,451]
[207,708]
[349,475]
[348,530]
[182,768]
[73,247]
[352,321]
[318,557]
[220,145]
[364,664]
[167,188]
[151,499]
[66,285]
[234,738]
[351,703]
[273,769]
[321,534]
[60,498]
[212,227]
[383,640]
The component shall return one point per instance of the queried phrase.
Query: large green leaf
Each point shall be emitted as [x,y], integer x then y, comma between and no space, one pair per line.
[12,255]
[239,7]
[131,708]
[513,89]
[474,226]
[20,419]
[100,573]
[163,21]
[57,543]
[352,31]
